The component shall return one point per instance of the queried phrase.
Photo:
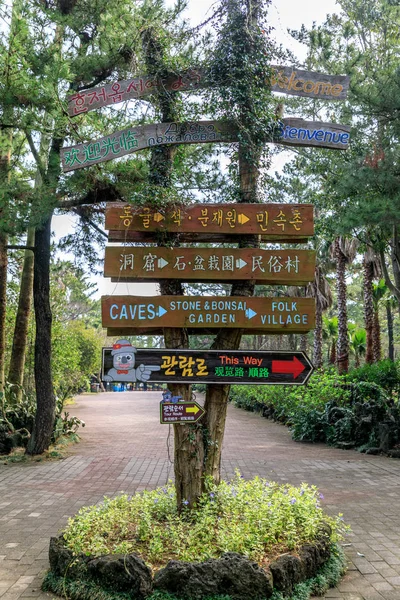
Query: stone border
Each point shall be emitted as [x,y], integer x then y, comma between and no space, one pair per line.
[232,574]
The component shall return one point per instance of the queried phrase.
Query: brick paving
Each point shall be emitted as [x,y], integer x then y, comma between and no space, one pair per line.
[124,448]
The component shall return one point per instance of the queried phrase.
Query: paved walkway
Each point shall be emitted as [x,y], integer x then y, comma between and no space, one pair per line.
[125,448]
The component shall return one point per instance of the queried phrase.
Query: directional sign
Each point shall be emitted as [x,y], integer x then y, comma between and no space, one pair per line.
[138,138]
[137,314]
[215,366]
[290,132]
[284,267]
[180,412]
[287,80]
[197,222]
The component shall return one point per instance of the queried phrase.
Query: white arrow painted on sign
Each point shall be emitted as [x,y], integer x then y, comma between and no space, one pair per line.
[161,311]
[162,263]
[240,263]
[250,313]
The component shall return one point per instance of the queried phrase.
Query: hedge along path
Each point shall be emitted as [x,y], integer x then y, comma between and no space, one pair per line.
[289,132]
[287,80]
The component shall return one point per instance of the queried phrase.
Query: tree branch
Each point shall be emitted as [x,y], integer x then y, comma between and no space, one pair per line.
[395,291]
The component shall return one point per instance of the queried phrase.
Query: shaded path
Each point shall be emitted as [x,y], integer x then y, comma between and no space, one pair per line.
[124,448]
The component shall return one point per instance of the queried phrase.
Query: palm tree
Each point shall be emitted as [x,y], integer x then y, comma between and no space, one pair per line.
[391,302]
[372,270]
[379,290]
[344,251]
[358,343]
[330,333]
[321,291]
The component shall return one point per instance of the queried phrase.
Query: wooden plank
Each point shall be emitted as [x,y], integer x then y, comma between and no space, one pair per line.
[138,87]
[208,312]
[289,132]
[287,80]
[266,330]
[268,267]
[274,222]
[309,84]
[138,138]
[316,134]
[144,237]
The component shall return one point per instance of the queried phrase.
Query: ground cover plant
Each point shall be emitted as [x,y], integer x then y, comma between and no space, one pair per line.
[360,409]
[258,519]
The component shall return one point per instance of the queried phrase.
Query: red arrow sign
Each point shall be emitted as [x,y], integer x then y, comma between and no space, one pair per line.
[295,367]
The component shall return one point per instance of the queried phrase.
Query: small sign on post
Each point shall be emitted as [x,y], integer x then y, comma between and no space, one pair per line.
[180,412]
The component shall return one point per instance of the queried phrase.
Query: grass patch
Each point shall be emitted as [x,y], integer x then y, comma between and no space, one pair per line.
[258,519]
[57,451]
[328,576]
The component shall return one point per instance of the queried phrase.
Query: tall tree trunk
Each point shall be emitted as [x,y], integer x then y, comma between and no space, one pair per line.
[303,342]
[217,395]
[343,338]
[317,355]
[45,399]
[6,138]
[368,309]
[332,355]
[389,317]
[377,345]
[188,439]
[18,352]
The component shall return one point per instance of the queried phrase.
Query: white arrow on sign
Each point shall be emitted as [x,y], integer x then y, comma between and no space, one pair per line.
[240,263]
[161,311]
[162,263]
[250,313]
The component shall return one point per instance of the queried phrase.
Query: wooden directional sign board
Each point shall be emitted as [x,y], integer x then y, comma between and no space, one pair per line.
[212,366]
[180,412]
[284,267]
[211,222]
[287,80]
[137,315]
[138,138]
[289,132]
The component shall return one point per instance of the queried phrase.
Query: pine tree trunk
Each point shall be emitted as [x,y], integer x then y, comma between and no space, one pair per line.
[389,317]
[368,309]
[376,345]
[18,352]
[343,339]
[45,399]
[6,137]
[217,395]
[317,357]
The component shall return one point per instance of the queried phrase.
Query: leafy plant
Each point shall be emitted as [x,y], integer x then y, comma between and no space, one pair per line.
[254,518]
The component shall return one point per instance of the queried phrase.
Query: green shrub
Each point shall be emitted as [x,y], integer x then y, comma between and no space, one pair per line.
[253,518]
[384,373]
[331,408]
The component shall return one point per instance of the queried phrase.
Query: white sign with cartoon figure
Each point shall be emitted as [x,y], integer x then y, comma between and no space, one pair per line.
[123,354]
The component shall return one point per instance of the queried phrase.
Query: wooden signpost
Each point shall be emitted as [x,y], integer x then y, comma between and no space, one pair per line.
[289,132]
[244,367]
[284,267]
[137,315]
[287,80]
[211,222]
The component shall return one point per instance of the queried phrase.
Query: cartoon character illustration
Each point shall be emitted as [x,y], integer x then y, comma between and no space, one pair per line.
[168,397]
[123,354]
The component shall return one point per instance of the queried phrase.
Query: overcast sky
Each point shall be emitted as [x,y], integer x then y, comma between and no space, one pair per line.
[283,15]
